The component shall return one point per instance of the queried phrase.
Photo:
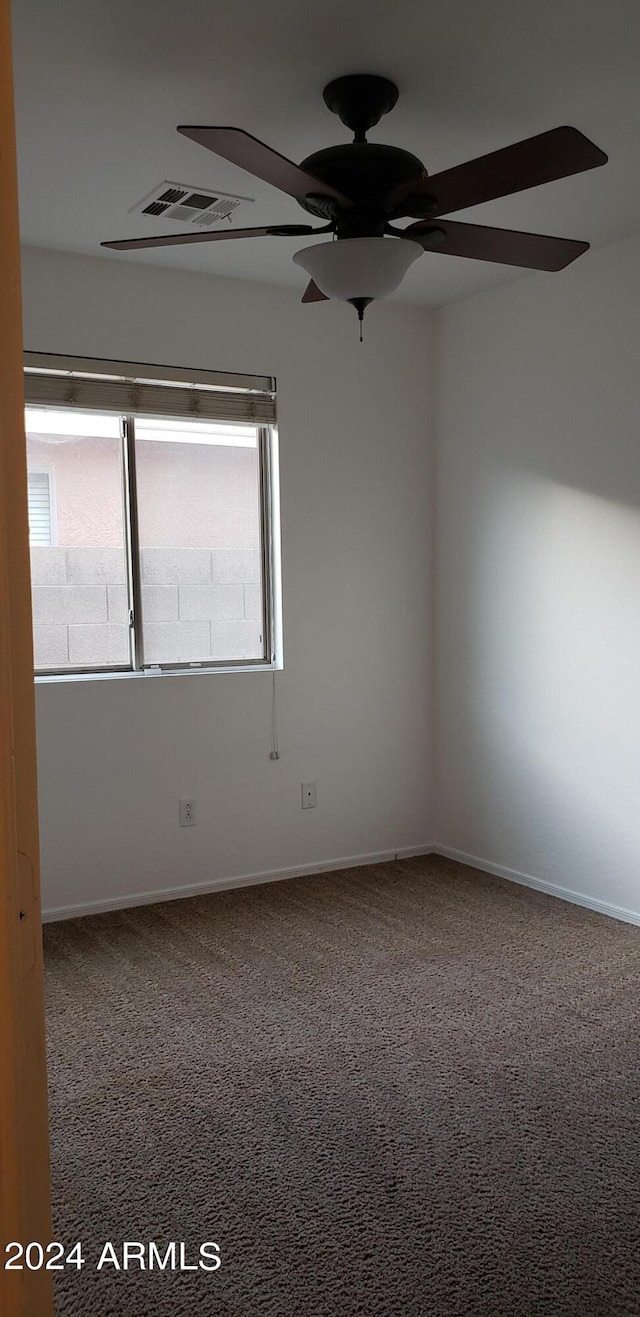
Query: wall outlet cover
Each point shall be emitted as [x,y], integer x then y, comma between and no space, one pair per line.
[308,794]
[187,812]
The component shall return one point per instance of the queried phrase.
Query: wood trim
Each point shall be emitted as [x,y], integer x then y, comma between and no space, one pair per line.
[24,1152]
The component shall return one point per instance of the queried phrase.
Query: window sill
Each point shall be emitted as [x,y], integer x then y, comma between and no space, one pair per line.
[48,678]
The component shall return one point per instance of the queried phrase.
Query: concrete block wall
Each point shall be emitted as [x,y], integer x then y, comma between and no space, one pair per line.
[197,604]
[200,604]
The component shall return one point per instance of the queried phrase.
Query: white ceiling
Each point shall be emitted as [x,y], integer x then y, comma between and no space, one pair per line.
[102,84]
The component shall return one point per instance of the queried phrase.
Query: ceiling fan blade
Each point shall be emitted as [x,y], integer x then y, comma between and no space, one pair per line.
[555,154]
[249,153]
[312,293]
[180,239]
[533,251]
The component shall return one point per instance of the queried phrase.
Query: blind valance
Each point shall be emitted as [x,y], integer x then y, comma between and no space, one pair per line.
[133,388]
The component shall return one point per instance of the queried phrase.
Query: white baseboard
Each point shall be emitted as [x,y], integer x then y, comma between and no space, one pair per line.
[123,902]
[552,889]
[127,900]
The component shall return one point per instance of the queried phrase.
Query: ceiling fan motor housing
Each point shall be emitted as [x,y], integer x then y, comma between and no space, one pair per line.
[367,172]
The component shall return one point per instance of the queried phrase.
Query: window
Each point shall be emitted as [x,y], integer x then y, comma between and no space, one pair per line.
[163,551]
[40,514]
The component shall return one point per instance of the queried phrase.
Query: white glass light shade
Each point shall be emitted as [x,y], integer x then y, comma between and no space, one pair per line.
[359,267]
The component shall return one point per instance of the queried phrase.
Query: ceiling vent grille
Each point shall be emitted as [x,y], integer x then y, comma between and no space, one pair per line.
[201,208]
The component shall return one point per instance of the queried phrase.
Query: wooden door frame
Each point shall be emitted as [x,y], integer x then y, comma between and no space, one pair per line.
[24,1148]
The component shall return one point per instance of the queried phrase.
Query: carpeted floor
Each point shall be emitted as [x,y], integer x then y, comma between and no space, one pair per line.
[403,1091]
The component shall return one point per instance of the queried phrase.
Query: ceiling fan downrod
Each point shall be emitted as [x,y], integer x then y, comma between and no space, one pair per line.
[360,100]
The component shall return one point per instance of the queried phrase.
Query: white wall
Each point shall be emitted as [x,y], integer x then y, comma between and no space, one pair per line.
[355,451]
[538,598]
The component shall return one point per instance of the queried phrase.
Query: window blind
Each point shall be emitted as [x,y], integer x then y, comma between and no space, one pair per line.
[141,390]
[39,508]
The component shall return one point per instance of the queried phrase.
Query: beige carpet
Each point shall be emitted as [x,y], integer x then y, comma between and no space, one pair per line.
[403,1091]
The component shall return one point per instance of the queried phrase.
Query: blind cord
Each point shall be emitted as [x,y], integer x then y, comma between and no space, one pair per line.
[275,752]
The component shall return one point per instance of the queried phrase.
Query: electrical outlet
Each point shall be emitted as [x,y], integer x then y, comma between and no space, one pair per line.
[187,812]
[308,793]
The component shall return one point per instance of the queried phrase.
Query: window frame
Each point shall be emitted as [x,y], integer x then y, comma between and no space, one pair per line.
[268,496]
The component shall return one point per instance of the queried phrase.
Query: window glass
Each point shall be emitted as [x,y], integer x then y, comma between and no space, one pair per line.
[199,526]
[78,560]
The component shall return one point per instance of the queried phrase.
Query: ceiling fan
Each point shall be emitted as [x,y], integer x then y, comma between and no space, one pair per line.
[360,188]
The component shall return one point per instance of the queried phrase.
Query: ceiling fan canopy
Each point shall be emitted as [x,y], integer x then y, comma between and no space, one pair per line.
[361,188]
